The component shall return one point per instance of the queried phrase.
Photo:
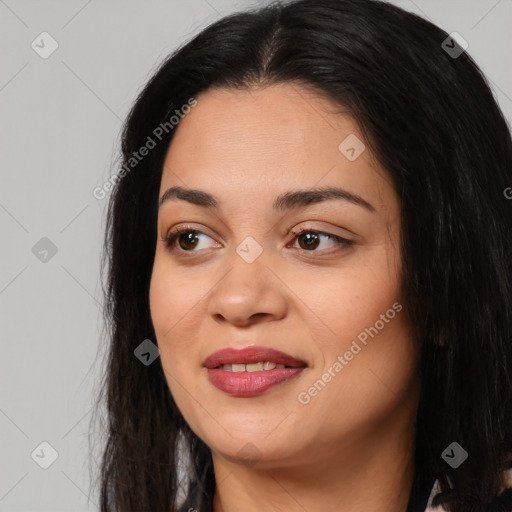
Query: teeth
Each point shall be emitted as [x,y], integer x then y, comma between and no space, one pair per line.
[251,367]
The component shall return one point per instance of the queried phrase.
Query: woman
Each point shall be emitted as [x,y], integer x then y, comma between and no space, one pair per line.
[310,224]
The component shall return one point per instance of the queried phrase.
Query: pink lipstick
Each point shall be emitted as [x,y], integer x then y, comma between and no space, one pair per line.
[251,371]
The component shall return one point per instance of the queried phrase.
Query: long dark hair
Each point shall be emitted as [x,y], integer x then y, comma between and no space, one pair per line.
[430,118]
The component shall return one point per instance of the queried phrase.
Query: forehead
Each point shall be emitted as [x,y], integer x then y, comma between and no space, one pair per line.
[253,141]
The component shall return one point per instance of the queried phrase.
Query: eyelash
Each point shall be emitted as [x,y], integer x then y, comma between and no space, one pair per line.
[174,234]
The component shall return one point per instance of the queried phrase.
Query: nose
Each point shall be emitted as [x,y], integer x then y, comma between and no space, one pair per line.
[248,293]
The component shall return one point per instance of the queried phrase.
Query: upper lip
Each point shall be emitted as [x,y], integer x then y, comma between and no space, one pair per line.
[253,354]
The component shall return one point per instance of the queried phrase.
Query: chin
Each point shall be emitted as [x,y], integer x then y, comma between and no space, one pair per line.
[256,454]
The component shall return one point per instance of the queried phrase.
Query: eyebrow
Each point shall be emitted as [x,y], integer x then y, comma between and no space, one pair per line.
[286,201]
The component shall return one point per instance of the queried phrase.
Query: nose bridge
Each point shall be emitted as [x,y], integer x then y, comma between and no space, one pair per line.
[248,288]
[250,250]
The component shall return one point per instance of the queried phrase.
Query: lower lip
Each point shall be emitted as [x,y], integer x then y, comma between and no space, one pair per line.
[250,383]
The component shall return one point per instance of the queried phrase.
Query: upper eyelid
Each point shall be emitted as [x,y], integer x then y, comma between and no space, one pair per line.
[303,226]
[185,227]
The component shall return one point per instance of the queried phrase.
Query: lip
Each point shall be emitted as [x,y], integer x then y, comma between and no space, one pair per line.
[247,384]
[249,355]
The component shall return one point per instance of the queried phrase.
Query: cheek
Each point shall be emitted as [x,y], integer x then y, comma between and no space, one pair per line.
[177,308]
[340,304]
[170,308]
[176,312]
[172,296]
[361,318]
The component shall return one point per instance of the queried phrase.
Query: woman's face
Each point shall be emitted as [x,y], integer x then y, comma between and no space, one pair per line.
[331,304]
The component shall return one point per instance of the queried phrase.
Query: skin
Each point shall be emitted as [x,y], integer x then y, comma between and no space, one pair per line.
[351,446]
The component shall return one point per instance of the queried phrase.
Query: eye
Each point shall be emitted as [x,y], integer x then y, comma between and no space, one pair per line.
[187,243]
[310,239]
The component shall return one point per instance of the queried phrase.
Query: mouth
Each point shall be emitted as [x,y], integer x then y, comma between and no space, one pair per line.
[251,367]
[251,371]
[251,359]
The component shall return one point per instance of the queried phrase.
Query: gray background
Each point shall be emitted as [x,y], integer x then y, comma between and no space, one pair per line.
[61,119]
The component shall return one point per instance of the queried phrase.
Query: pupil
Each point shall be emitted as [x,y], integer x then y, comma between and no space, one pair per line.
[312,240]
[189,239]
